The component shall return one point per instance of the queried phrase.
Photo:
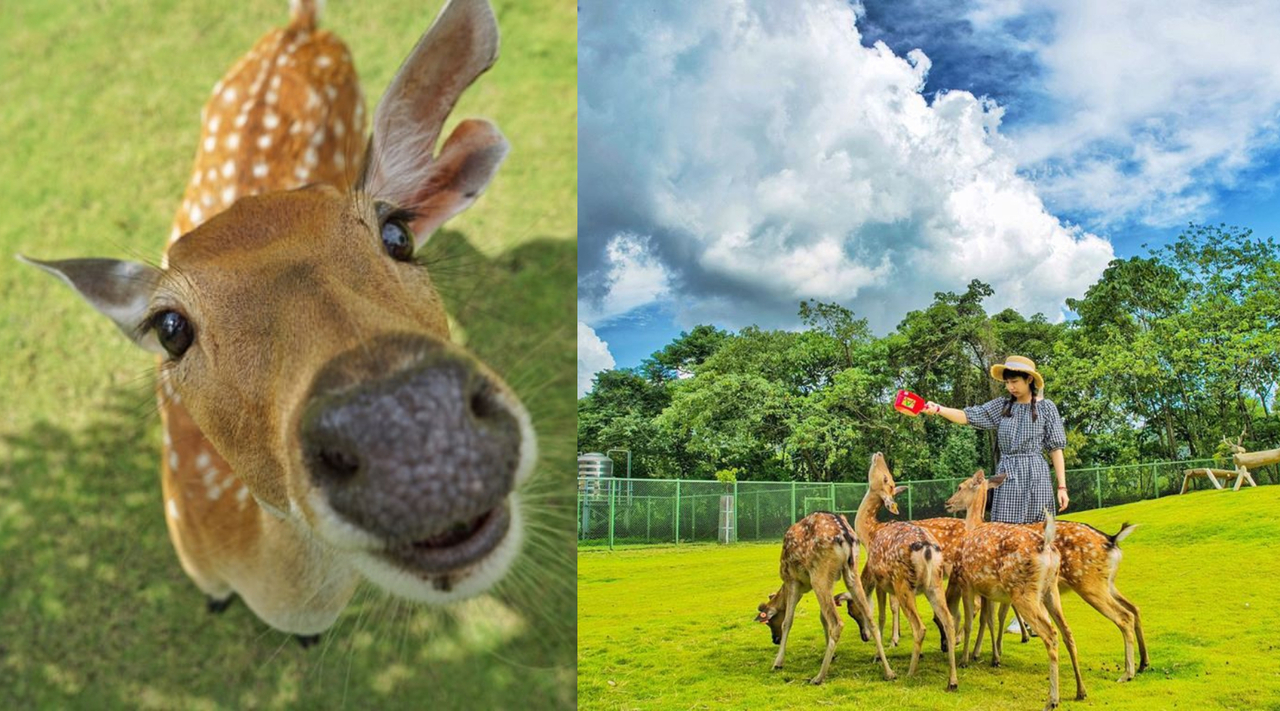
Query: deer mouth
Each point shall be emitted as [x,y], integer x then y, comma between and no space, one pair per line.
[458,546]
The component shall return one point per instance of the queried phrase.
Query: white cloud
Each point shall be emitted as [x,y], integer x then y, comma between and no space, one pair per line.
[768,157]
[593,357]
[1154,105]
[635,278]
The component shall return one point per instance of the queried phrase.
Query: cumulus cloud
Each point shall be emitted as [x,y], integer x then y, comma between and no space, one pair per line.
[760,155]
[1152,106]
[593,357]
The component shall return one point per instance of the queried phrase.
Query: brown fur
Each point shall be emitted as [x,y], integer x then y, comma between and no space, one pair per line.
[902,559]
[1010,563]
[817,551]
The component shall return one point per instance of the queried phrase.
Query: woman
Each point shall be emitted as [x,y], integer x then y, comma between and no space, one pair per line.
[1027,425]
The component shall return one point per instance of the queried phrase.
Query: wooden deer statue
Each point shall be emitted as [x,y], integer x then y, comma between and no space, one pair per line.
[320,427]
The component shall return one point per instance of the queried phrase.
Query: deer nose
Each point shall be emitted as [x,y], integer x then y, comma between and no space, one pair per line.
[424,454]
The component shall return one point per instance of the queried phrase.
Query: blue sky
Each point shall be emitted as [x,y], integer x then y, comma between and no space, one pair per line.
[737,156]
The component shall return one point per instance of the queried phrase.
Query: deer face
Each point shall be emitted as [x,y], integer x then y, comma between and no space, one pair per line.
[880,479]
[767,613]
[975,486]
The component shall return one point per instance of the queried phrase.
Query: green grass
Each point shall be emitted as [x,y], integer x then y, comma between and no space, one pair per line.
[99,112]
[672,627]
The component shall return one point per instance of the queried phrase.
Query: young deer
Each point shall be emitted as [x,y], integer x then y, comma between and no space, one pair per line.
[947,533]
[1006,562]
[902,559]
[816,551]
[1090,559]
[319,425]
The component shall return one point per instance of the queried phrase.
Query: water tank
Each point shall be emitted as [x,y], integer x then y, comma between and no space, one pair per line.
[594,464]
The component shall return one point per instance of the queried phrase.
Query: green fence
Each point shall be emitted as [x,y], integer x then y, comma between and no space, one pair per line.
[644,511]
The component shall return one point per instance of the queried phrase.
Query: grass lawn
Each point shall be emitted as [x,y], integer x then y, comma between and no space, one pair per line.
[672,627]
[99,112]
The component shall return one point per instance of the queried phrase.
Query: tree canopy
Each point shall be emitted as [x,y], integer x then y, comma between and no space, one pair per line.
[1167,354]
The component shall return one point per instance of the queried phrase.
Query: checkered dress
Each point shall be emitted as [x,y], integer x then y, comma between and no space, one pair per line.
[1028,489]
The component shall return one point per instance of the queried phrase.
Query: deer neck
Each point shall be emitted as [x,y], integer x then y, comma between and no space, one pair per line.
[865,523]
[973,516]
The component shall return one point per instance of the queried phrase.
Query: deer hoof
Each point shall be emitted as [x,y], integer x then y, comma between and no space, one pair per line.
[307,640]
[1123,679]
[1143,667]
[890,676]
[1081,696]
[953,686]
[217,606]
[816,681]
[995,663]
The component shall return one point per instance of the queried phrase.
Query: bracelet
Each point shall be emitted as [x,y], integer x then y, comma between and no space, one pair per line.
[1062,488]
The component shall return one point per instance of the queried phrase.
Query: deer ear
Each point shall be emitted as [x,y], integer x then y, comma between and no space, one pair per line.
[899,489]
[401,166]
[995,481]
[119,290]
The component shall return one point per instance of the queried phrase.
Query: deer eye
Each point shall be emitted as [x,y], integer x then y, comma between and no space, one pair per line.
[174,332]
[397,239]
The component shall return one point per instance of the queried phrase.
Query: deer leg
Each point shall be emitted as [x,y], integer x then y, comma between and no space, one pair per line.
[823,589]
[897,619]
[863,606]
[946,625]
[793,595]
[1143,660]
[1026,632]
[997,632]
[880,612]
[216,606]
[306,641]
[907,603]
[1053,605]
[984,620]
[1031,610]
[1103,602]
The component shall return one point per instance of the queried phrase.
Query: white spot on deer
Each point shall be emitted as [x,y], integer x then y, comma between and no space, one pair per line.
[259,169]
[331,92]
[339,160]
[228,195]
[214,123]
[339,128]
[317,138]
[209,143]
[270,120]
[241,120]
[233,141]
[206,199]
[209,476]
[215,493]
[173,510]
[264,141]
[242,496]
[302,173]
[217,88]
[202,460]
[229,95]
[228,169]
[196,214]
[173,460]
[311,157]
[323,60]
[211,174]
[195,178]
[275,81]
[272,96]
[313,98]
[168,441]
[282,60]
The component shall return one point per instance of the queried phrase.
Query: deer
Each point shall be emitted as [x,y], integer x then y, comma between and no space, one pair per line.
[320,427]
[902,560]
[816,551]
[947,532]
[1010,563]
[1089,559]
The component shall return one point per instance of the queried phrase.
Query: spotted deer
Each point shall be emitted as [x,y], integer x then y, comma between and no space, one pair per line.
[947,532]
[1012,563]
[1089,561]
[817,551]
[319,426]
[902,559]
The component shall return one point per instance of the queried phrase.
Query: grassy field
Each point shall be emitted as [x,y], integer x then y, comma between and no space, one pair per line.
[99,115]
[672,627]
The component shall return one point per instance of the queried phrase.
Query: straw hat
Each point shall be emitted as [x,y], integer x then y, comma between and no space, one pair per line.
[1020,364]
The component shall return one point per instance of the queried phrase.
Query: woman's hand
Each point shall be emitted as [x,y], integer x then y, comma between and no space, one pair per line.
[931,408]
[1063,499]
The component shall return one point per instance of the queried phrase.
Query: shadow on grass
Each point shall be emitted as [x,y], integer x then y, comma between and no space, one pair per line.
[95,611]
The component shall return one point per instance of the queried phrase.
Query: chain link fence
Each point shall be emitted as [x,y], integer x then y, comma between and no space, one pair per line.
[621,511]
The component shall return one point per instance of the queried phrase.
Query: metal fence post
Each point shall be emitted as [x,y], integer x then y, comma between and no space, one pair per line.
[757,515]
[735,512]
[648,521]
[613,495]
[1097,477]
[833,495]
[677,512]
[910,516]
[1155,479]
[792,514]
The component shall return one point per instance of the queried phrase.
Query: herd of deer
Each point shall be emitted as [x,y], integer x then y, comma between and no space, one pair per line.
[1023,565]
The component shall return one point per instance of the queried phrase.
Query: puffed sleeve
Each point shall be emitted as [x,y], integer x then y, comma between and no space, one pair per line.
[1055,437]
[987,415]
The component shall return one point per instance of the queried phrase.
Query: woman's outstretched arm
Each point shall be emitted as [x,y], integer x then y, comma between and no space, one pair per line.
[950,413]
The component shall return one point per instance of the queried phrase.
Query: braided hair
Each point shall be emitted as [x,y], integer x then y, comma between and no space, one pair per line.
[1008,405]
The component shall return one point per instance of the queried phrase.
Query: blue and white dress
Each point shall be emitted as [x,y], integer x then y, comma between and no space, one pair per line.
[1029,487]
